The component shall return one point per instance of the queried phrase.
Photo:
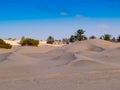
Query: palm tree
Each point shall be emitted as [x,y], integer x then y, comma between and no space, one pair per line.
[50,40]
[72,38]
[79,35]
[107,37]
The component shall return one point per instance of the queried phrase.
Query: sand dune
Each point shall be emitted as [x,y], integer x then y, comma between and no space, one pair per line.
[103,43]
[84,62]
[88,64]
[97,45]
[3,57]
[14,43]
[84,65]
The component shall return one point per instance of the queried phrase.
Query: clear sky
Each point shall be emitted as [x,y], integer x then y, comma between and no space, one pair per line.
[59,18]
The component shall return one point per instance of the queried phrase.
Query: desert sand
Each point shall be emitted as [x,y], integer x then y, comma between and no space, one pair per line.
[86,65]
[14,43]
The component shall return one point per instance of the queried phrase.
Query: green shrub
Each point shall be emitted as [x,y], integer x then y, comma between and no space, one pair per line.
[29,42]
[22,39]
[5,45]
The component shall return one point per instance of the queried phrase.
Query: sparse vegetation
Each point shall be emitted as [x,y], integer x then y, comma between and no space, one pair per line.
[92,37]
[65,41]
[118,39]
[29,42]
[5,45]
[22,39]
[72,38]
[79,35]
[106,37]
[50,40]
[11,39]
[113,39]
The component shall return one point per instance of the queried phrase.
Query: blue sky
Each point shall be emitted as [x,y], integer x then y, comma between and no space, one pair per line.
[59,18]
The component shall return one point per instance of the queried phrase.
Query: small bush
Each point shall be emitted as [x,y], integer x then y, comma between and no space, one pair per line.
[29,42]
[5,45]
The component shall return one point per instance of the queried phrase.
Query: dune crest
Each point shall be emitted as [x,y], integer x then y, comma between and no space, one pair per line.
[96,45]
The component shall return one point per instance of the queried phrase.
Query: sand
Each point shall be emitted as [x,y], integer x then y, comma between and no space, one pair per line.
[86,65]
[14,43]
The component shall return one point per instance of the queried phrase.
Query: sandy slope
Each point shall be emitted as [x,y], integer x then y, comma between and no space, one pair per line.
[97,45]
[86,65]
[14,43]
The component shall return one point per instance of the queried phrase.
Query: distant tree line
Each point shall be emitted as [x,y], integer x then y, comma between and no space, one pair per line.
[79,35]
